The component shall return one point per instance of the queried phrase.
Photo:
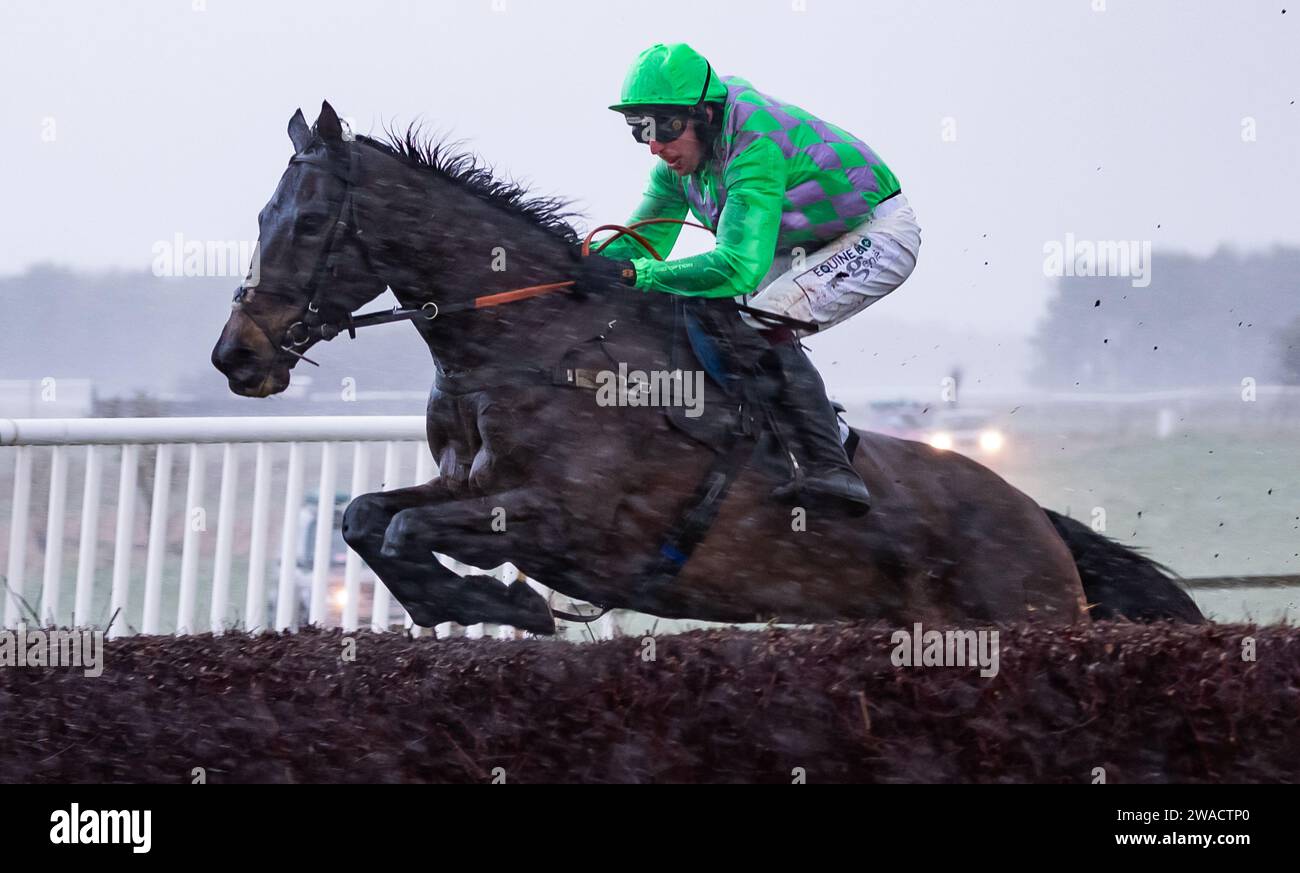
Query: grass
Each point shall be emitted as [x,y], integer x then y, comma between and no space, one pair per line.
[1206,505]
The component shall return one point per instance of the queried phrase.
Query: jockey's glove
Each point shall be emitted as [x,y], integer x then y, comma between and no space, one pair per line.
[597,272]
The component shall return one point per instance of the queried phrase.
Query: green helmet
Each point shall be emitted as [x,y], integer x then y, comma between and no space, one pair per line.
[669,75]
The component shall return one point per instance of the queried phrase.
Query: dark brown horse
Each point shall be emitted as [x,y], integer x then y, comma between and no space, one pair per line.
[585,496]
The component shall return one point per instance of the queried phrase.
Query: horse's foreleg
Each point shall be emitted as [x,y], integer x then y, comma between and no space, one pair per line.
[473,529]
[430,592]
[479,531]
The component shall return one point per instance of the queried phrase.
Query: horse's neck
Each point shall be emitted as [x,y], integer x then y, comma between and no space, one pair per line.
[439,253]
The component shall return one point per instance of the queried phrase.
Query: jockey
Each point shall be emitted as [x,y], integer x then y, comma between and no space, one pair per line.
[810,224]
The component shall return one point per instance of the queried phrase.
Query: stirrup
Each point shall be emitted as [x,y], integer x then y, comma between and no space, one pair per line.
[801,489]
[789,491]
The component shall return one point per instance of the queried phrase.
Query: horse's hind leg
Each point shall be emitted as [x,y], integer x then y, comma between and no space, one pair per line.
[430,592]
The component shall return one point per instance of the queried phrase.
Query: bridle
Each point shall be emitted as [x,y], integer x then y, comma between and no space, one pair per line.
[311,325]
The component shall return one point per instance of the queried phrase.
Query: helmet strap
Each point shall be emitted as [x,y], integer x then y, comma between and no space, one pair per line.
[708,80]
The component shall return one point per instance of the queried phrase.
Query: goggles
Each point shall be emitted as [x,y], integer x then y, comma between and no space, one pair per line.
[660,126]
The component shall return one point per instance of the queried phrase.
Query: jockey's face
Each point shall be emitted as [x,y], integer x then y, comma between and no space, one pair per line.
[684,154]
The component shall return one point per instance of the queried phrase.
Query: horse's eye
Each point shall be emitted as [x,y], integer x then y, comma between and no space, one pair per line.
[309,225]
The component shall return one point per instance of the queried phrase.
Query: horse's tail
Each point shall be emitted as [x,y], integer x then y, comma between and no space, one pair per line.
[1122,582]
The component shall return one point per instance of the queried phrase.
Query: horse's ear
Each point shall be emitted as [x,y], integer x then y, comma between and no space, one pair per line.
[299,132]
[328,125]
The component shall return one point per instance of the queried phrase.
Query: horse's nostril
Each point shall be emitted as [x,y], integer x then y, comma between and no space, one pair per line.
[239,362]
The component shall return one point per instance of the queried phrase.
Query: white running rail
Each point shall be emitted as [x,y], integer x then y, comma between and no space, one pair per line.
[281,450]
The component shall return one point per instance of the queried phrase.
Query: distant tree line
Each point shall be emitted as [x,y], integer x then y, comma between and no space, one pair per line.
[1290,341]
[141,338]
[1201,322]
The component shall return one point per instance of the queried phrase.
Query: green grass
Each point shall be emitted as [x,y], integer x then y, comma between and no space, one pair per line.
[132,616]
[1203,504]
[1206,505]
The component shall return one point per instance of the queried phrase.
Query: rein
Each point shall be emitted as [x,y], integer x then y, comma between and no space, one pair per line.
[774,318]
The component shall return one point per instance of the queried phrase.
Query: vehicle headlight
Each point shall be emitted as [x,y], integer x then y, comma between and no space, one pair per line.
[991,441]
[941,441]
[339,597]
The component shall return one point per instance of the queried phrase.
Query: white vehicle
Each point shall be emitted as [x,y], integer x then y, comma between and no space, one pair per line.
[335,588]
[969,431]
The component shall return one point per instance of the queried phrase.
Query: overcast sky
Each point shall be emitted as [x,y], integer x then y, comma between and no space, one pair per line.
[1104,124]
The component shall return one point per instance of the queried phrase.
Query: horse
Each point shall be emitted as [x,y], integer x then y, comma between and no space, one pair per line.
[621,504]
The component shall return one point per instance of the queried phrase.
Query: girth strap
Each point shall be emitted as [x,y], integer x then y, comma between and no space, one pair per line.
[698,516]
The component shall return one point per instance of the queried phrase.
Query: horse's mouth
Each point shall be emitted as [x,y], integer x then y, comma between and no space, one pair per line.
[275,381]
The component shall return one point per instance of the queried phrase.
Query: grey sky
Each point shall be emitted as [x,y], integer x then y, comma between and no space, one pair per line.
[1103,124]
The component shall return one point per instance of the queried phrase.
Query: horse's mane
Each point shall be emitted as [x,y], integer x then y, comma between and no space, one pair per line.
[437,155]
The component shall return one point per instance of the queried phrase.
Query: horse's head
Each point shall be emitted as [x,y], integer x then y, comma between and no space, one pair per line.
[311,265]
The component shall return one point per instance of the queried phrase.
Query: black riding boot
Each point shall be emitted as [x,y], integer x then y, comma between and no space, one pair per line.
[826,477]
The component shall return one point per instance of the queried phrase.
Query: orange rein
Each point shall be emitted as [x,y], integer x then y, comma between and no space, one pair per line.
[619,230]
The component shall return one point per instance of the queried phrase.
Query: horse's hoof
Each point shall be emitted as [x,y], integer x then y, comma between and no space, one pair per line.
[425,618]
[529,610]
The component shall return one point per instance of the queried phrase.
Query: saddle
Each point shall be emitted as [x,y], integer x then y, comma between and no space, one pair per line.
[696,347]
